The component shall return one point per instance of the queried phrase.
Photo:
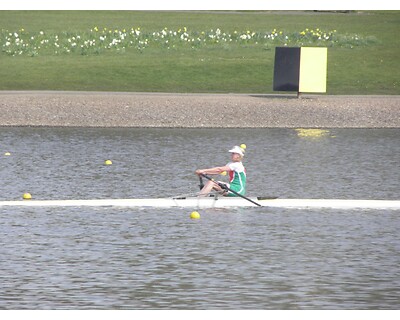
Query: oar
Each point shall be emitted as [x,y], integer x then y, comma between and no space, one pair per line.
[224,186]
[201,185]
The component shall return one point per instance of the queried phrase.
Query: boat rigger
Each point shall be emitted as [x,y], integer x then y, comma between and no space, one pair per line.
[210,202]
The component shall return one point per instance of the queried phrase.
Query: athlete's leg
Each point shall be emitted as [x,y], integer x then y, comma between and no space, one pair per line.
[210,185]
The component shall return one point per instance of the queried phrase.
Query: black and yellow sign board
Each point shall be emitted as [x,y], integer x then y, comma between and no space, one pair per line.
[300,69]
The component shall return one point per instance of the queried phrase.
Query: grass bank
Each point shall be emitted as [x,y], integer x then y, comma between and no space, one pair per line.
[192,51]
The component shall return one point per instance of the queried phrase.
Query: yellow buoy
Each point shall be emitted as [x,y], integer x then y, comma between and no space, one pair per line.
[108,162]
[195,215]
[27,196]
[7,154]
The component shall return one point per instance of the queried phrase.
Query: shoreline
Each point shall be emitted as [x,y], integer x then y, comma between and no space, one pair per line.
[196,110]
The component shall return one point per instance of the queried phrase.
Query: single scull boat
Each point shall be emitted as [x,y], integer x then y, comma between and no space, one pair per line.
[210,202]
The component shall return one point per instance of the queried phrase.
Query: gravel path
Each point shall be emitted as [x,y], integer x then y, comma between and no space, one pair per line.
[105,109]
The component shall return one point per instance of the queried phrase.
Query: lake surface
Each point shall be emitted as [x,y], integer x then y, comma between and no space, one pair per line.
[248,258]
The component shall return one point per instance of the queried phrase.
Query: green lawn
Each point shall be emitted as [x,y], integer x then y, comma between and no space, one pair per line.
[363,67]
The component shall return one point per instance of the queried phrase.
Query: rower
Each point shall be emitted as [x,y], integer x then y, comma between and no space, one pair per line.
[236,171]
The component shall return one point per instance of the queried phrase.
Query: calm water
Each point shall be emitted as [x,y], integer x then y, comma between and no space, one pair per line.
[253,258]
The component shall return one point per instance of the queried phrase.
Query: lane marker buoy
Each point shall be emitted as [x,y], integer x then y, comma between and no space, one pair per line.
[27,196]
[195,215]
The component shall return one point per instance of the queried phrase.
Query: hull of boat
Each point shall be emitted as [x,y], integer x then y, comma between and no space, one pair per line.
[210,202]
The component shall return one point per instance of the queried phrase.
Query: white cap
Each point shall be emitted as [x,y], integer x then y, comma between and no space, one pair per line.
[237,149]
